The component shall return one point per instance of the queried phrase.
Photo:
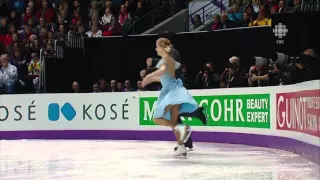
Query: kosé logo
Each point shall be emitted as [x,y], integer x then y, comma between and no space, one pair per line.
[280,30]
[66,110]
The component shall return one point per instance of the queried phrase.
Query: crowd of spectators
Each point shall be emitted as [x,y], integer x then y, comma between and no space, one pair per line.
[254,13]
[26,26]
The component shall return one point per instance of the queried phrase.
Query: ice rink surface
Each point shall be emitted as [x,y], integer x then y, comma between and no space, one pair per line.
[132,160]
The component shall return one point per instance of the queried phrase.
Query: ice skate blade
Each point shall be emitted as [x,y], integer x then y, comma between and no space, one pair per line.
[181,156]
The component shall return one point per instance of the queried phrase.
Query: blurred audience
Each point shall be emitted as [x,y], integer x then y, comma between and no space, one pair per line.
[234,75]
[8,75]
[256,13]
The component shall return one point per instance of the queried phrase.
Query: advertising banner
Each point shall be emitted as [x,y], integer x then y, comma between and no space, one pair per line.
[299,111]
[224,110]
[69,111]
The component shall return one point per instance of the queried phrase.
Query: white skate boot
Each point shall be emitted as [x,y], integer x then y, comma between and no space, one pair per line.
[181,150]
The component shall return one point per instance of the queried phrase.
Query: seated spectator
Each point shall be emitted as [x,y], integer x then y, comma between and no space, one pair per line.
[61,34]
[256,4]
[76,5]
[46,12]
[139,87]
[25,35]
[106,18]
[81,31]
[104,86]
[140,11]
[216,22]
[184,77]
[76,87]
[123,15]
[48,49]
[246,20]
[94,32]
[226,23]
[235,15]
[27,16]
[63,5]
[31,4]
[282,7]
[34,47]
[8,38]
[128,87]
[114,29]
[34,65]
[274,4]
[113,85]
[265,9]
[127,25]
[16,58]
[261,20]
[15,20]
[296,8]
[130,6]
[273,11]
[94,20]
[120,87]
[15,45]
[42,25]
[34,70]
[96,88]
[250,11]
[50,36]
[196,21]
[4,26]
[8,74]
[93,9]
[108,4]
[76,17]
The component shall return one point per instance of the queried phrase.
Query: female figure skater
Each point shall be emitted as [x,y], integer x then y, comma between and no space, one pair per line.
[174,98]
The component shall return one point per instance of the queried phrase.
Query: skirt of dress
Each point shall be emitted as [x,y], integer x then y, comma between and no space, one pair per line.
[172,95]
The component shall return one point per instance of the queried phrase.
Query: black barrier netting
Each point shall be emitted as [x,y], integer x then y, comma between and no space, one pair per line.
[123,58]
[303,31]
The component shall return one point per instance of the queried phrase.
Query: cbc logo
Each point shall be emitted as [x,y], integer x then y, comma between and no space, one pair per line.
[280,30]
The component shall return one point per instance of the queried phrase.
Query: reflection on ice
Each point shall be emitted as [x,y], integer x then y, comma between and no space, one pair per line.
[40,159]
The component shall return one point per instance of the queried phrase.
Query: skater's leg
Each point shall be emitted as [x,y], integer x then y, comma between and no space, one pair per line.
[175,113]
[175,119]
[197,114]
[163,122]
[189,142]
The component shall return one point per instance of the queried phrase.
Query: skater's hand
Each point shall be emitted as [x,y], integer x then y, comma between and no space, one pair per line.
[144,82]
[254,78]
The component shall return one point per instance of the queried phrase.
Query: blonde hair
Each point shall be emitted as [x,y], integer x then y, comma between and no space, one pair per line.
[166,44]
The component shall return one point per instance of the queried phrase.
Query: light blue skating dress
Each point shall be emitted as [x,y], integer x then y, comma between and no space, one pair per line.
[173,93]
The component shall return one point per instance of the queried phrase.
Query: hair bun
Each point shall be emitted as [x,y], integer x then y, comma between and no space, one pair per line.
[167,49]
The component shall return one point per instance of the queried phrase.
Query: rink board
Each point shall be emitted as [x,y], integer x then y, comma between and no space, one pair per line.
[284,117]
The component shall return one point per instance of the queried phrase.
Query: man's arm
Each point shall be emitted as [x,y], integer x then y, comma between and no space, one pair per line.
[150,70]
